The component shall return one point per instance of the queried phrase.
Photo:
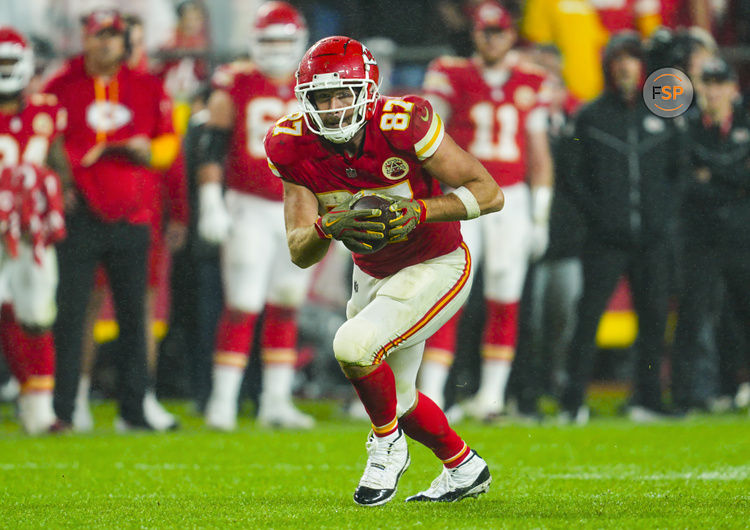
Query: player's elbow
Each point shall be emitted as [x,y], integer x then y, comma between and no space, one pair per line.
[302,261]
[496,201]
[303,256]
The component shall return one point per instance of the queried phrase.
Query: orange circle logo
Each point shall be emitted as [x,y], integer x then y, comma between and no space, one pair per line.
[668,92]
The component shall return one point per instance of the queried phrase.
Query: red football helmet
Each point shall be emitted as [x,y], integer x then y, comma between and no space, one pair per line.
[279,38]
[16,61]
[338,62]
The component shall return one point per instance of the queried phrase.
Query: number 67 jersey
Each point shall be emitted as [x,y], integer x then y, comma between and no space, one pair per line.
[401,134]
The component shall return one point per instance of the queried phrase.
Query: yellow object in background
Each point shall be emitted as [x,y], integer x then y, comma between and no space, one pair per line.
[574,27]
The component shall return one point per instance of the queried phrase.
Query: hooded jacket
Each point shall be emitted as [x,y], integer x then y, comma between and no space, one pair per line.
[625,165]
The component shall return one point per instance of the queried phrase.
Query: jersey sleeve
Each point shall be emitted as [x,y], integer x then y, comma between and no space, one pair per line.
[279,145]
[438,80]
[165,113]
[411,124]
[223,77]
[50,105]
[538,118]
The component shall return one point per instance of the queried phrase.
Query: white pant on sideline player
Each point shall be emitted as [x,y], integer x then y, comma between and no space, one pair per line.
[257,273]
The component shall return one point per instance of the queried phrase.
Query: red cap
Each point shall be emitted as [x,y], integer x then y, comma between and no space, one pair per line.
[491,14]
[102,19]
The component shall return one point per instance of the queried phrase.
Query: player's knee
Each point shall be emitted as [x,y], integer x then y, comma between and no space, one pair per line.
[36,316]
[288,296]
[355,342]
[238,316]
[405,399]
[242,305]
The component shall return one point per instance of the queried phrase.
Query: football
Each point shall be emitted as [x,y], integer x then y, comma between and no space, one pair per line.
[369,202]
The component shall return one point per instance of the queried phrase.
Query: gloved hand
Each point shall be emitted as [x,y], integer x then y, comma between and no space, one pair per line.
[541,200]
[214,220]
[539,241]
[350,226]
[409,213]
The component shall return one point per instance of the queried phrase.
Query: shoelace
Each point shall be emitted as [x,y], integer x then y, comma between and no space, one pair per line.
[374,475]
[443,483]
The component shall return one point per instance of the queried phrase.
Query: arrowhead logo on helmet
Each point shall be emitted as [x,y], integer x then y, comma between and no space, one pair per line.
[338,62]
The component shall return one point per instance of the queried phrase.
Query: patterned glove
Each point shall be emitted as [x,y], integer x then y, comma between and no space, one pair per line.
[351,226]
[410,213]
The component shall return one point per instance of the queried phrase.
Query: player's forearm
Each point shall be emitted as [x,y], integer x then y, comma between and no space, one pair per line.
[450,207]
[306,247]
[210,172]
[541,173]
[58,162]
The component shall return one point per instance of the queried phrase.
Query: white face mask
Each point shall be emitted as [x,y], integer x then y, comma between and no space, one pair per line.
[15,76]
[364,92]
[277,50]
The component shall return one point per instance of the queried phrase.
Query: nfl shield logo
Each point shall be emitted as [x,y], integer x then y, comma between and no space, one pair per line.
[351,172]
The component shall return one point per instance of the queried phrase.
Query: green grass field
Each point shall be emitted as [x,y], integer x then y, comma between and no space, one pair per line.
[694,473]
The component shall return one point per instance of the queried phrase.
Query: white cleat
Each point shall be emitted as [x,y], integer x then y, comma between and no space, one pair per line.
[481,410]
[10,390]
[356,411]
[581,417]
[83,421]
[387,459]
[742,398]
[36,413]
[221,414]
[156,415]
[469,479]
[455,414]
[284,415]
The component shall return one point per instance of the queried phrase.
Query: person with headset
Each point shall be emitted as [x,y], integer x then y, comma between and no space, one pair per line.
[119,142]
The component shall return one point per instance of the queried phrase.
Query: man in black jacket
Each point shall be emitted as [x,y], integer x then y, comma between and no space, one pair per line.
[625,166]
[715,217]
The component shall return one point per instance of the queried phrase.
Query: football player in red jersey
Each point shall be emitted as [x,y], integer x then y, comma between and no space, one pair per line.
[258,276]
[350,141]
[494,107]
[29,129]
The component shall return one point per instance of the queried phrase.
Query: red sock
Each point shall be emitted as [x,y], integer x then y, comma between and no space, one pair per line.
[235,332]
[10,339]
[38,350]
[377,392]
[279,327]
[502,324]
[428,425]
[445,337]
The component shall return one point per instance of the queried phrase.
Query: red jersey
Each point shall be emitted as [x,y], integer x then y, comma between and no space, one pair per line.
[399,137]
[620,15]
[129,104]
[258,104]
[26,136]
[31,205]
[491,121]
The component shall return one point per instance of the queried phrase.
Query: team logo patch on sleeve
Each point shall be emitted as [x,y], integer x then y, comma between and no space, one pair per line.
[395,168]
[43,124]
[524,97]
